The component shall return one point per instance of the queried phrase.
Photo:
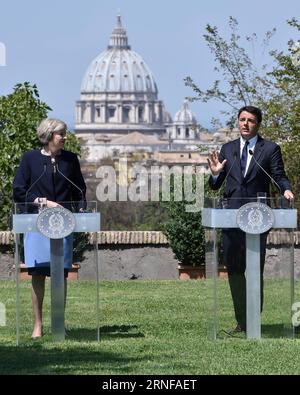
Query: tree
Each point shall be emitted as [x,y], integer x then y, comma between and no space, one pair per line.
[275,90]
[283,110]
[242,81]
[184,229]
[20,113]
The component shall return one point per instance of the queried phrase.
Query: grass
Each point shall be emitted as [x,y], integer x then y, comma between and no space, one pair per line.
[147,327]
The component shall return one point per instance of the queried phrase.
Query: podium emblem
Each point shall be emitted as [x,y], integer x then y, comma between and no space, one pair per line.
[56,223]
[255,218]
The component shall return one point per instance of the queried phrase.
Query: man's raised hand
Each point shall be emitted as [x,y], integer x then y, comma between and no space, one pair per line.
[215,166]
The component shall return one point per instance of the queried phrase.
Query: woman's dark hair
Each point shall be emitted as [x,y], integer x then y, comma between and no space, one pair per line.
[253,110]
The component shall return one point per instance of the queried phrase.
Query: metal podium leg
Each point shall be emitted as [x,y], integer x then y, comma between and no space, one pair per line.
[95,239]
[57,290]
[215,279]
[253,286]
[292,275]
[17,269]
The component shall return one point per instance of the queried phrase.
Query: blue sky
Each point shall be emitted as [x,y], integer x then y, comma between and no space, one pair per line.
[52,43]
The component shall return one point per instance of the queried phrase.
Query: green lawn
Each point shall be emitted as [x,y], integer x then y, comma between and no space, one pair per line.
[147,327]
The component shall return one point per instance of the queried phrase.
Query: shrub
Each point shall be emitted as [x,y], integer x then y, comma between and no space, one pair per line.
[185,232]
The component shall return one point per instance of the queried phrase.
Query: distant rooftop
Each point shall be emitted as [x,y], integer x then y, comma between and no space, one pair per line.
[137,138]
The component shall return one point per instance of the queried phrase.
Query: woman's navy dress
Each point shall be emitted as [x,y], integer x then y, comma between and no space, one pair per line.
[52,186]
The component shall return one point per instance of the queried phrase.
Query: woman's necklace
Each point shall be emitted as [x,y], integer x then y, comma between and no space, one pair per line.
[44,152]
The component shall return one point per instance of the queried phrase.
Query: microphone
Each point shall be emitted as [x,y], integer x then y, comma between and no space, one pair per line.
[270,177]
[53,161]
[35,182]
[235,156]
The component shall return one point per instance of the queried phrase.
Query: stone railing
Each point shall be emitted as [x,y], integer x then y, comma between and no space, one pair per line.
[133,237]
[6,238]
[152,237]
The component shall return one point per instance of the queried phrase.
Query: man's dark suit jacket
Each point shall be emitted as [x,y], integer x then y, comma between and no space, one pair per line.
[267,154]
[240,190]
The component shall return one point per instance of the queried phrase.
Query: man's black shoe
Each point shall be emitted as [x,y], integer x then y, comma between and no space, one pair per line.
[238,330]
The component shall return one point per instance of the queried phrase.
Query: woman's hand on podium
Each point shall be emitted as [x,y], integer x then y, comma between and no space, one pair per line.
[288,195]
[45,202]
[51,204]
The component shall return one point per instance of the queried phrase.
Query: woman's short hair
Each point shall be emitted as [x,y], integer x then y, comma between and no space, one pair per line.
[47,127]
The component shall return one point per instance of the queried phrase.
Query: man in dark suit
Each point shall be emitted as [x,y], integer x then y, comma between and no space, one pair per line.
[244,180]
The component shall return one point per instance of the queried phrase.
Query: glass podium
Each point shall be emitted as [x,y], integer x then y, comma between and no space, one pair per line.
[48,236]
[257,295]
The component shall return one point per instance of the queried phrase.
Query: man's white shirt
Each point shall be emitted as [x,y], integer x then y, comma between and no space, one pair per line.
[251,146]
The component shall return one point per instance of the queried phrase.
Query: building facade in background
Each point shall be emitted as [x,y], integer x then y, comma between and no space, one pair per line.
[119,110]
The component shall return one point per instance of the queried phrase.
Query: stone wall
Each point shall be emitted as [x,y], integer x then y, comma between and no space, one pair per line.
[123,262]
[6,265]
[277,263]
[147,256]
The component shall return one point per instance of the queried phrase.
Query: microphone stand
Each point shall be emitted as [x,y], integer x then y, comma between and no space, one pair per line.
[56,167]
[33,184]
[224,202]
[270,177]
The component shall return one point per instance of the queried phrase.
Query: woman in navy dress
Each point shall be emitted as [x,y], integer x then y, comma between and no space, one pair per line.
[37,180]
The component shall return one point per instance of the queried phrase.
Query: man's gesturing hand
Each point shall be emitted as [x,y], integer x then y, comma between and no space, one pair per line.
[215,166]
